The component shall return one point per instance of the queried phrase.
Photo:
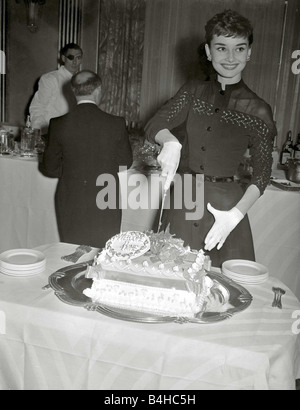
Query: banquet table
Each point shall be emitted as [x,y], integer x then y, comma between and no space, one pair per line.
[46,344]
[27,211]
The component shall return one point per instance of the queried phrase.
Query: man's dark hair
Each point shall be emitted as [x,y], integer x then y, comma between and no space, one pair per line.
[229,23]
[70,46]
[85,82]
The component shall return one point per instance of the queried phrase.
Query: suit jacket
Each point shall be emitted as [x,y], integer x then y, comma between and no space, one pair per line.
[83,145]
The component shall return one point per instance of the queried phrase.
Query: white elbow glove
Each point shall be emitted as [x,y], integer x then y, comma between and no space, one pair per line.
[168,159]
[225,222]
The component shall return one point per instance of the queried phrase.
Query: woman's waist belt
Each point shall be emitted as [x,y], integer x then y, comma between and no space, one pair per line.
[212,178]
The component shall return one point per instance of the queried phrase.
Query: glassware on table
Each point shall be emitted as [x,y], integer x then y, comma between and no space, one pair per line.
[293,170]
[11,142]
[5,148]
[28,143]
[39,142]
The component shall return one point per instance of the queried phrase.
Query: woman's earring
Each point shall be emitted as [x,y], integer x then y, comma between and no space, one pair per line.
[248,58]
[209,58]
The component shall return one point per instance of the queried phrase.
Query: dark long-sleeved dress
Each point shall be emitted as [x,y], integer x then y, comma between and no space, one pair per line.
[215,128]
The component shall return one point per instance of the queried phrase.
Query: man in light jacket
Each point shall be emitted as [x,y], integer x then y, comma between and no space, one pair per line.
[54,96]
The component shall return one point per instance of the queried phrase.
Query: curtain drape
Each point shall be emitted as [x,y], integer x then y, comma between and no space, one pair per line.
[70,17]
[175,28]
[121,41]
[288,95]
[3,29]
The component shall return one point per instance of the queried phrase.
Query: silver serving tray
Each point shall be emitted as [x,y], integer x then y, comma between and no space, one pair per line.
[69,282]
[285,184]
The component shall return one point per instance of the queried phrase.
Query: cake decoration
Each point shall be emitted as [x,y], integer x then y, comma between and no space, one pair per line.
[159,254]
[127,245]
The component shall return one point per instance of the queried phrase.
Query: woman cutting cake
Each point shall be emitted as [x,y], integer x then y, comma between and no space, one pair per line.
[205,129]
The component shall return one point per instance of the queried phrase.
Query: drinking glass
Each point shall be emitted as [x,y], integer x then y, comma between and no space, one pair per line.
[27,143]
[4,148]
[39,143]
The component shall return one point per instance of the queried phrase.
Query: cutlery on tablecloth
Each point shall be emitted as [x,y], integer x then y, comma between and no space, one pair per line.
[274,303]
[278,293]
[281,292]
[79,252]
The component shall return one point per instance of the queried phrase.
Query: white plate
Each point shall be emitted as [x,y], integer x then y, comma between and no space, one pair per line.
[245,282]
[245,267]
[23,268]
[21,272]
[128,245]
[22,259]
[243,277]
[244,271]
[21,275]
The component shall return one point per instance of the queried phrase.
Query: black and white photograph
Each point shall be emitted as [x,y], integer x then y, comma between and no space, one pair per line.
[149,197]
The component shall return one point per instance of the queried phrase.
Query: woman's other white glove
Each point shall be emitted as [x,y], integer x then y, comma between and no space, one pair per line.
[225,222]
[168,159]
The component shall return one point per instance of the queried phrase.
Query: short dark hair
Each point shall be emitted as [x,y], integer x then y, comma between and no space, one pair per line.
[85,82]
[70,46]
[229,23]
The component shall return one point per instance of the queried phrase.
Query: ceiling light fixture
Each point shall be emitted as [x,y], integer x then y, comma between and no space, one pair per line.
[32,12]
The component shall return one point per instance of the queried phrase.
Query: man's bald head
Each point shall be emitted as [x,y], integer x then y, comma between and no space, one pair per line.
[85,82]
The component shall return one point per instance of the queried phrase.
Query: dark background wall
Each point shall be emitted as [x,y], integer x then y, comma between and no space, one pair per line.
[29,55]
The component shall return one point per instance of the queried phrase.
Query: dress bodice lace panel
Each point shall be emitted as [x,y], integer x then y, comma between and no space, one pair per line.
[236,113]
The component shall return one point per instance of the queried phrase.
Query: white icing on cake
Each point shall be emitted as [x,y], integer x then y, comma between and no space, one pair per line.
[146,299]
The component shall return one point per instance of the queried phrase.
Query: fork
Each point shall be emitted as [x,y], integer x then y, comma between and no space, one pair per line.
[274,304]
[281,292]
[79,252]
[278,293]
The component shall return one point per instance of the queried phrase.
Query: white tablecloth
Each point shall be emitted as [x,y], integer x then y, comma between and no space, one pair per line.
[52,345]
[275,224]
[27,212]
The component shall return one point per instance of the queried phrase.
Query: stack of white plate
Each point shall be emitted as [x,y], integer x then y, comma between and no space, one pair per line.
[245,272]
[22,262]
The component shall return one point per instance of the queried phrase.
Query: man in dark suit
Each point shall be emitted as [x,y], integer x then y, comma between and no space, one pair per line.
[83,145]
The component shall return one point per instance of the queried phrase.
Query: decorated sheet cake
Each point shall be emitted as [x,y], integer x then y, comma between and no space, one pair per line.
[154,273]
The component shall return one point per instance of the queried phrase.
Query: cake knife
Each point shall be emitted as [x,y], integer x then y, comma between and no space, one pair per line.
[167,185]
[162,209]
